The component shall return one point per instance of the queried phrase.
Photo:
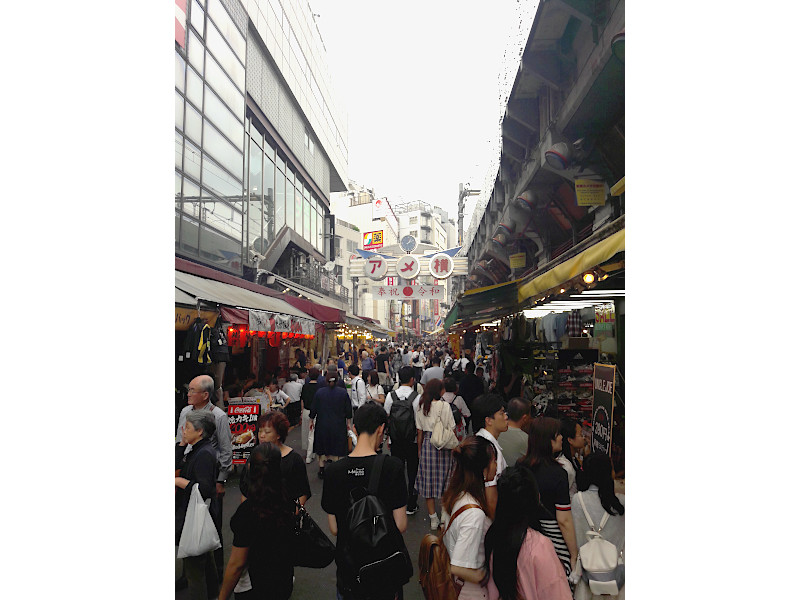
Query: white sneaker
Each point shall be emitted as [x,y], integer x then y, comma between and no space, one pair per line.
[309,459]
[434,521]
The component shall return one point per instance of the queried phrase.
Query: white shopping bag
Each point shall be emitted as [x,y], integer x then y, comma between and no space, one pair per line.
[199,534]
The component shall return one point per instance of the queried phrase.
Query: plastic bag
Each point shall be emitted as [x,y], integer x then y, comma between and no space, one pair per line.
[199,534]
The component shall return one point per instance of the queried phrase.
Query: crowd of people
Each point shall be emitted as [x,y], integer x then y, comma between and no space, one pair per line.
[516,496]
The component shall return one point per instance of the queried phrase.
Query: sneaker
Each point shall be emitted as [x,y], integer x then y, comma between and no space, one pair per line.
[309,459]
[434,521]
[412,510]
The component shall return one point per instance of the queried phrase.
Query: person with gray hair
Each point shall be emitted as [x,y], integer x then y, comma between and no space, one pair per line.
[201,390]
[197,466]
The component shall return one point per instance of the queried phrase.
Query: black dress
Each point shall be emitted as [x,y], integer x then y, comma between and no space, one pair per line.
[331,408]
[293,470]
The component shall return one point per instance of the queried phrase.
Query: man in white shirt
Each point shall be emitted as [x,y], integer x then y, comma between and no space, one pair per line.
[292,388]
[358,388]
[488,409]
[418,361]
[406,356]
[432,372]
[406,450]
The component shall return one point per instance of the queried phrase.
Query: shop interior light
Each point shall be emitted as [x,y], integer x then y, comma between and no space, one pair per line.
[588,278]
[562,290]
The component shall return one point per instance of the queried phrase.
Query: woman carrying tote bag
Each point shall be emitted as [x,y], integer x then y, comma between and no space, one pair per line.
[198,467]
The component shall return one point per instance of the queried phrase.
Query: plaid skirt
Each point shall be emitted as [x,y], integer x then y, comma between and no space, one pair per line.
[434,469]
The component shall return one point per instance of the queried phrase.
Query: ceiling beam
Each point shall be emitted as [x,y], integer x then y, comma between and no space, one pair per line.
[546,66]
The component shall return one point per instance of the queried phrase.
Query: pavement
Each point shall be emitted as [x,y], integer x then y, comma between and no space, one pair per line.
[318,584]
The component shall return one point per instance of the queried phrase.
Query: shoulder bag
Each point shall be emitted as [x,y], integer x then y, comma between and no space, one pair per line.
[443,438]
[310,547]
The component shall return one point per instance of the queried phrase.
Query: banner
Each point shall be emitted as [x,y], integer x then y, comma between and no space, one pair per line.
[408,292]
[590,192]
[243,416]
[602,407]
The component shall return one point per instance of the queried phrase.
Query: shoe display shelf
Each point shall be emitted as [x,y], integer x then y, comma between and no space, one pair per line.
[572,384]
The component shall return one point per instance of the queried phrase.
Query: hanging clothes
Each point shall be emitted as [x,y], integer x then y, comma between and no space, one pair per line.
[574,323]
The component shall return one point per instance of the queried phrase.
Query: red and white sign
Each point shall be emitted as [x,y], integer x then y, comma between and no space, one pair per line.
[243,416]
[392,280]
[180,22]
[441,266]
[408,266]
[408,292]
[375,268]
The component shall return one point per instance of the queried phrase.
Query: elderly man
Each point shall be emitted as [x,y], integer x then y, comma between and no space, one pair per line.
[201,390]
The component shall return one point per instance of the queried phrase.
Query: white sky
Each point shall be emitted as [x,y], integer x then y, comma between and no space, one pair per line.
[420,83]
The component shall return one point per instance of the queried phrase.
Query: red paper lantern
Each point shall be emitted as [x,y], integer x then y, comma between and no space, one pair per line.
[262,334]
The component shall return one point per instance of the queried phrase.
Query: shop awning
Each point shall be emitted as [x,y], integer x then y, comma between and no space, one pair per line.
[233,296]
[182,297]
[593,256]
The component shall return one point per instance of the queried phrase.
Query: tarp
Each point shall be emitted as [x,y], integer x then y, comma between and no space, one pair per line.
[233,296]
[591,257]
[315,308]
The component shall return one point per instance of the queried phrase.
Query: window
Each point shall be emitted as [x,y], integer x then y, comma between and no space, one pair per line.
[180,72]
[222,84]
[280,201]
[226,25]
[222,118]
[221,149]
[196,52]
[197,18]
[413,220]
[255,190]
[223,53]
[309,142]
[178,111]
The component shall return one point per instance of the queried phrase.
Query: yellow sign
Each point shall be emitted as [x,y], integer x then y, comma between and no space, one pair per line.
[590,192]
[517,261]
[184,317]
[373,240]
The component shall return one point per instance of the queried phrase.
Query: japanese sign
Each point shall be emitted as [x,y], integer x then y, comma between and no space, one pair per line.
[408,292]
[604,320]
[441,265]
[602,407]
[517,261]
[408,266]
[590,193]
[243,416]
[373,240]
[392,280]
[375,268]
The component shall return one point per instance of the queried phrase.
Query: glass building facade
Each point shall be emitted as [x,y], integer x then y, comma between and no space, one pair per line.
[235,185]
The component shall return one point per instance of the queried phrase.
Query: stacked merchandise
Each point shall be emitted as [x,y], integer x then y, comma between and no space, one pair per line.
[574,384]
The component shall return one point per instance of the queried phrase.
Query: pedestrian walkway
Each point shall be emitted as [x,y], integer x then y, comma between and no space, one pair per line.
[316,584]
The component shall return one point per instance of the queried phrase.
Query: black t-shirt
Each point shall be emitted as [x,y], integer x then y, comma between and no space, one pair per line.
[350,473]
[553,486]
[293,469]
[269,559]
[382,360]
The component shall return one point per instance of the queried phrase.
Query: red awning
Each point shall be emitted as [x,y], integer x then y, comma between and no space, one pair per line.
[235,316]
[319,312]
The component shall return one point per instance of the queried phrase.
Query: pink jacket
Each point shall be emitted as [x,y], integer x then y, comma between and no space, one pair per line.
[540,575]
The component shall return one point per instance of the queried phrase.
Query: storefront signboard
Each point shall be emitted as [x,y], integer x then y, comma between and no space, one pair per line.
[604,320]
[455,343]
[184,317]
[590,192]
[602,407]
[243,416]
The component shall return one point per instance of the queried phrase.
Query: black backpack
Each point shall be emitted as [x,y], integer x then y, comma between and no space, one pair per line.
[457,416]
[374,560]
[218,343]
[402,426]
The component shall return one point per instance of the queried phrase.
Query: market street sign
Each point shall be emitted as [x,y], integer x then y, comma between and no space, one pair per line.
[408,266]
[408,292]
[602,407]
[376,268]
[441,265]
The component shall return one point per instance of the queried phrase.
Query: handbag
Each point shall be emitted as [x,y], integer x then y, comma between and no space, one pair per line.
[199,534]
[310,547]
[443,437]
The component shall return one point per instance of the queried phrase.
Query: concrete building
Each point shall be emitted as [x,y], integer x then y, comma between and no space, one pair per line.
[260,145]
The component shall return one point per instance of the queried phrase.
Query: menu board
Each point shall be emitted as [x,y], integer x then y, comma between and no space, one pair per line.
[243,416]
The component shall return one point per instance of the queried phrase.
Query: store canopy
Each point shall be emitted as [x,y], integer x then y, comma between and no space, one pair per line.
[593,256]
[224,293]
[182,297]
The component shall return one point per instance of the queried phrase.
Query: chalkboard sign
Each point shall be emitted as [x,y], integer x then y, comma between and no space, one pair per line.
[602,407]
[243,416]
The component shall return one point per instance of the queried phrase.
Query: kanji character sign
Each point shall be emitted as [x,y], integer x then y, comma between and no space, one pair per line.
[441,265]
[376,267]
[407,266]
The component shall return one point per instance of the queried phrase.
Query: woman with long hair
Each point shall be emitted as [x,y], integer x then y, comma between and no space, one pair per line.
[572,444]
[263,527]
[434,464]
[273,427]
[474,463]
[544,443]
[522,562]
[596,488]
